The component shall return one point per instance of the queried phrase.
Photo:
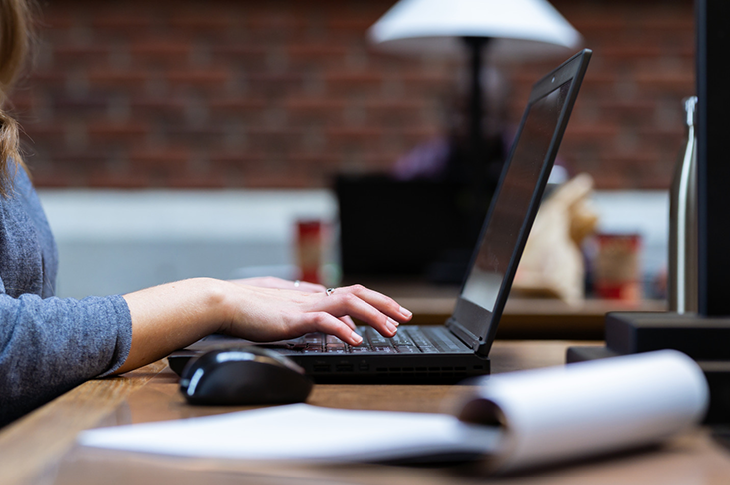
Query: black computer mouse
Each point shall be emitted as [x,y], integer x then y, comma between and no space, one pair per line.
[244,375]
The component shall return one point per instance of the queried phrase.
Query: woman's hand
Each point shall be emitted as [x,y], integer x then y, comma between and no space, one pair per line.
[172,316]
[266,314]
[274,282]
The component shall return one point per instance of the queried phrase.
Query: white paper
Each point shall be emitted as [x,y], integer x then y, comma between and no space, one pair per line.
[593,407]
[546,416]
[301,432]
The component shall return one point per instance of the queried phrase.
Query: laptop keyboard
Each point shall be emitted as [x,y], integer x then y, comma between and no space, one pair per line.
[412,340]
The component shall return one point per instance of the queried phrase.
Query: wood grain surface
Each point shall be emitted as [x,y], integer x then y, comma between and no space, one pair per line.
[41,448]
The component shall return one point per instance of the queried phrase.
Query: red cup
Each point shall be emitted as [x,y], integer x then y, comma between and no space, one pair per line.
[309,249]
[617,274]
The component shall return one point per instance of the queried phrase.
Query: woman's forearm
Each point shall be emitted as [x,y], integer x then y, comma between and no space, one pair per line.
[171,316]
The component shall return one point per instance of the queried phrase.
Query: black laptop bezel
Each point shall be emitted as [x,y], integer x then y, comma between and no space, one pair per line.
[572,70]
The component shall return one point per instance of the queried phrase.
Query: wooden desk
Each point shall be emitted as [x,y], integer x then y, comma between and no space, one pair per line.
[41,448]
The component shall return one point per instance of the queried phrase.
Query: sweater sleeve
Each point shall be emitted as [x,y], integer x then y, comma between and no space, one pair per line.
[48,346]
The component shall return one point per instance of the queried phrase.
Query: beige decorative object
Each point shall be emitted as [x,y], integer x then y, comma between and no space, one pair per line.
[552,263]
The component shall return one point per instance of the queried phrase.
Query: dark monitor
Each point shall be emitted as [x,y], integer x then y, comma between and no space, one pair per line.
[713,156]
[415,228]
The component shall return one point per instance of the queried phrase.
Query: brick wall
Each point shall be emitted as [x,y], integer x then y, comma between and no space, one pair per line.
[285,93]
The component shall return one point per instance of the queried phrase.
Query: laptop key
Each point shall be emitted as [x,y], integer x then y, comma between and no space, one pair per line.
[418,337]
[387,350]
[422,341]
[379,341]
[401,339]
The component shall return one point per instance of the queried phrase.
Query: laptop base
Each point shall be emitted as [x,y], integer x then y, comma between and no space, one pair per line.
[702,338]
[382,369]
[374,369]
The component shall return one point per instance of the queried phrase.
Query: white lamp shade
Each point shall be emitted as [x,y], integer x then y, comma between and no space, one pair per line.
[519,29]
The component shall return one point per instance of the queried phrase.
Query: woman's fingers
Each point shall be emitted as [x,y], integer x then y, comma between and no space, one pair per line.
[327,323]
[383,303]
[377,310]
[349,322]
[343,302]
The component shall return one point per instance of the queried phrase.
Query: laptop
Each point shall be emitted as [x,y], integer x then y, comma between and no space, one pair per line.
[459,348]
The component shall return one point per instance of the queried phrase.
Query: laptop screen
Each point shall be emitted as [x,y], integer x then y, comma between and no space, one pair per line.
[511,206]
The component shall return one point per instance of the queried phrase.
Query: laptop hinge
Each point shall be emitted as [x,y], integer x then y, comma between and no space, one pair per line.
[467,338]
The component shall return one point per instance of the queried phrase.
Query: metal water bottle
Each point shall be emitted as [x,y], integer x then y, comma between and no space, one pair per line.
[682,269]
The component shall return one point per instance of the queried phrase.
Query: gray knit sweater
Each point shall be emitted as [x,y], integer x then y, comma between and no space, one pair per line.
[48,345]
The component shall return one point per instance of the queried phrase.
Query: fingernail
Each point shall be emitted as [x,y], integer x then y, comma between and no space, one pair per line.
[405,312]
[356,336]
[390,326]
[393,322]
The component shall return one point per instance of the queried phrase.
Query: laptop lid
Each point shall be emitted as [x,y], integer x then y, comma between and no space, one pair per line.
[514,206]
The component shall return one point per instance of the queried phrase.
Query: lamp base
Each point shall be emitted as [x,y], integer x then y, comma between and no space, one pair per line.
[705,339]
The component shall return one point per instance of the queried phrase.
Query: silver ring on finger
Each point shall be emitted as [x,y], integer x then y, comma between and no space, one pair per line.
[329,291]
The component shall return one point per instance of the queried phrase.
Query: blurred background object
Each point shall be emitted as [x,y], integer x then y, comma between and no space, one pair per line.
[552,263]
[190,97]
[117,241]
[512,31]
[441,190]
[682,273]
[617,267]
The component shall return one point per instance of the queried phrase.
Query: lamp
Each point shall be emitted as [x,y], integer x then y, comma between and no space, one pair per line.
[520,28]
[511,29]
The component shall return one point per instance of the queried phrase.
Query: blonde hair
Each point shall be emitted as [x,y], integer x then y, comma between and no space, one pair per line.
[14,46]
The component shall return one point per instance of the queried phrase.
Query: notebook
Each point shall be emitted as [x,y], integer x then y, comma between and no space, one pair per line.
[460,347]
